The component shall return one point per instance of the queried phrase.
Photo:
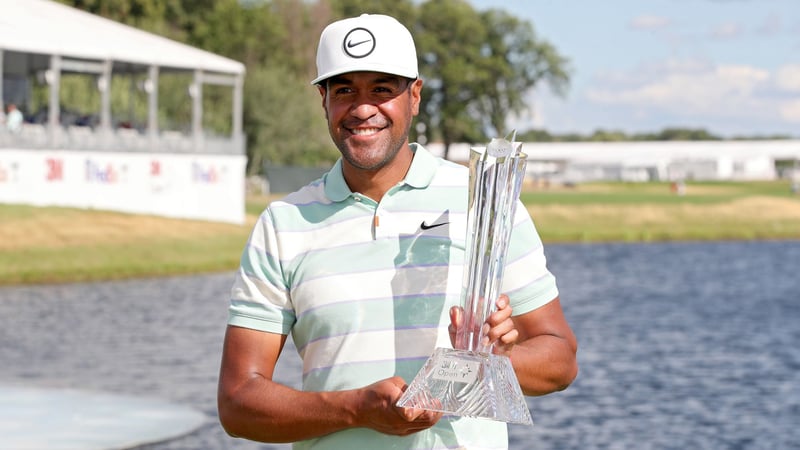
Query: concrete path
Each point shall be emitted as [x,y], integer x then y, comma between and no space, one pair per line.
[44,419]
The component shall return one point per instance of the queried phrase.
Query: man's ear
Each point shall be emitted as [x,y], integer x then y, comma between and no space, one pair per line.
[416,96]
[323,91]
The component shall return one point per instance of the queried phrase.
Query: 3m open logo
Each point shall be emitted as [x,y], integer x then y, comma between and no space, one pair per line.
[456,370]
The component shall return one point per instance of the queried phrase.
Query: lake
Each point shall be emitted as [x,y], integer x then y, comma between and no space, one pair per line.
[682,345]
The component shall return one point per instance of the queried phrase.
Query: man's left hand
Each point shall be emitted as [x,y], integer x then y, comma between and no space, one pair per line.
[499,329]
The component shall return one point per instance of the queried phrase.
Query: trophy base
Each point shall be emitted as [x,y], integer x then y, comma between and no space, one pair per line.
[471,384]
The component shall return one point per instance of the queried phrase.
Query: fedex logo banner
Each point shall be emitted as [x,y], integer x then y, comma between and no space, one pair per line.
[107,173]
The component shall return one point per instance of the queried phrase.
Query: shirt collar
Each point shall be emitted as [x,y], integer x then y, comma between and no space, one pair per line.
[420,174]
[336,188]
[423,167]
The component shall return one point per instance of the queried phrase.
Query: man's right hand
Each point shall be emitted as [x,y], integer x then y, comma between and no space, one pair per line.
[253,406]
[378,409]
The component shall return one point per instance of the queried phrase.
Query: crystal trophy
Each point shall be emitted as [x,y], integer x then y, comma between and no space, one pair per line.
[470,380]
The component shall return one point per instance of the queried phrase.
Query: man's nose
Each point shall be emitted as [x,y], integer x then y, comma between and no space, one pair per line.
[363,107]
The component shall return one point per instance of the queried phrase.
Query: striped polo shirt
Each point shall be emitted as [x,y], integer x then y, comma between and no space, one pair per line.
[365,287]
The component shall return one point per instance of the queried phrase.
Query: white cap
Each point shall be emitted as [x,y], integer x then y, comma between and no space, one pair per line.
[371,43]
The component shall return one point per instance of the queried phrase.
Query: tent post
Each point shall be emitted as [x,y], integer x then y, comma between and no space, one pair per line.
[151,87]
[237,106]
[2,102]
[105,97]
[53,77]
[197,109]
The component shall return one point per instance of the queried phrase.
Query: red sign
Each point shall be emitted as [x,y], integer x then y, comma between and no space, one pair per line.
[55,169]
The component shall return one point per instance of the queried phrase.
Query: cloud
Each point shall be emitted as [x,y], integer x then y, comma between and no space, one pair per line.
[728,30]
[788,78]
[649,22]
[771,26]
[702,90]
[790,111]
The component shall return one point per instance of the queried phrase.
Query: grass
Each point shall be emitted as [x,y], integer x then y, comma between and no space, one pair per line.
[48,245]
[638,212]
[45,245]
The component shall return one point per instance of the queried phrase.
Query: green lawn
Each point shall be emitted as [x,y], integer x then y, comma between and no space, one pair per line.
[655,193]
[653,212]
[40,245]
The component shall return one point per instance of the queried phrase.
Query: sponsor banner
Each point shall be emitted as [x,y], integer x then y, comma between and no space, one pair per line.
[191,186]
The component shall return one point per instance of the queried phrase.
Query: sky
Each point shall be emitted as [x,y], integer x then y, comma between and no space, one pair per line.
[731,67]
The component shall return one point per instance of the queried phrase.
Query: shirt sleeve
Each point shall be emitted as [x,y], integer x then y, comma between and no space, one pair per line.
[526,278]
[260,296]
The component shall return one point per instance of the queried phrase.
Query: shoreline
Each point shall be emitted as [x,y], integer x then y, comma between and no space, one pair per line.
[45,245]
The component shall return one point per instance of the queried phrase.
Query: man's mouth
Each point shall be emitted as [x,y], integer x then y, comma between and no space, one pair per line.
[364,131]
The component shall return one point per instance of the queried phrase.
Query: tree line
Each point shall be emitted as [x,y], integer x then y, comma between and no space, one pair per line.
[477,67]
[667,134]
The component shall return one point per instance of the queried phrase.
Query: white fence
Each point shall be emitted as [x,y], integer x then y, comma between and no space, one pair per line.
[650,161]
[191,186]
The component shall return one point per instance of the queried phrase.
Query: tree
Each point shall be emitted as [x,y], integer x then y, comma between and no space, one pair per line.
[608,136]
[284,121]
[478,68]
[163,17]
[403,10]
[515,62]
[450,35]
[685,134]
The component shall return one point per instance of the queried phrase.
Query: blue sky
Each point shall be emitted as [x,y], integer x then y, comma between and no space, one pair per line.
[731,67]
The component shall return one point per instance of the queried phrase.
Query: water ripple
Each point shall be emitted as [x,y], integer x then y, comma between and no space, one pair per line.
[682,345]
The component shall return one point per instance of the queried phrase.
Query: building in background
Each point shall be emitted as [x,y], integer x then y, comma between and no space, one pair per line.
[578,162]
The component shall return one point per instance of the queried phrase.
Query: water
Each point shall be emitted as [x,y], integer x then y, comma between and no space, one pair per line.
[683,345]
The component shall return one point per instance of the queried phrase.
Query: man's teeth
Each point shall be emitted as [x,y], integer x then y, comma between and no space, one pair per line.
[365,131]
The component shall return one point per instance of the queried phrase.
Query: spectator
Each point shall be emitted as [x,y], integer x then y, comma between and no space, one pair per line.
[14,118]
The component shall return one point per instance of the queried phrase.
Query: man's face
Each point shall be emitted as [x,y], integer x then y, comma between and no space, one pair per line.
[369,115]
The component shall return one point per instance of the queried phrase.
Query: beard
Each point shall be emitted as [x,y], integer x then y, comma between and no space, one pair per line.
[373,156]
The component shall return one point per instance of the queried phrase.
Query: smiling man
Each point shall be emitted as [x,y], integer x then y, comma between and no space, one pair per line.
[364,268]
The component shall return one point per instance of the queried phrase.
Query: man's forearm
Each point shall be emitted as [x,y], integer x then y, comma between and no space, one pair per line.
[265,411]
[544,364]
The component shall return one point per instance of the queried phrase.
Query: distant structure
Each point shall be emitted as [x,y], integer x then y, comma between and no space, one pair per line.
[63,159]
[578,162]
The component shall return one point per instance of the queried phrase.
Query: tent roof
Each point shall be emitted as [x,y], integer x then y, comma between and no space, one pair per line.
[49,28]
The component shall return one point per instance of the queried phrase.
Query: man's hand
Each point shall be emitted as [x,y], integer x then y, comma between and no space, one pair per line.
[498,330]
[378,409]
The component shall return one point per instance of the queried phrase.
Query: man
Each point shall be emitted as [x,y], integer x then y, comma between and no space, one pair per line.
[364,268]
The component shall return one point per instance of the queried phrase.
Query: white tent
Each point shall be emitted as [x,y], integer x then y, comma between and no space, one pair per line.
[45,38]
[48,28]
[59,158]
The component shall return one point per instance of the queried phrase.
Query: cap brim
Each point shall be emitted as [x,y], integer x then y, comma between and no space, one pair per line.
[367,68]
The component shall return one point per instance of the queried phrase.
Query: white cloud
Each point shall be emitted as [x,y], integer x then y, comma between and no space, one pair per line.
[790,111]
[788,78]
[649,22]
[729,30]
[771,26]
[700,90]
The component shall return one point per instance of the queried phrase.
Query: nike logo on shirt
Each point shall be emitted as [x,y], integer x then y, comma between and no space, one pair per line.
[425,226]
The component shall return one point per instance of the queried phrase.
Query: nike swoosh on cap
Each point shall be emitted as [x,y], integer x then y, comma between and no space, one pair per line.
[351,44]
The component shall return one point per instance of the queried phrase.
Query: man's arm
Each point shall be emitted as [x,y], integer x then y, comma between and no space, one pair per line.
[544,351]
[540,343]
[252,406]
